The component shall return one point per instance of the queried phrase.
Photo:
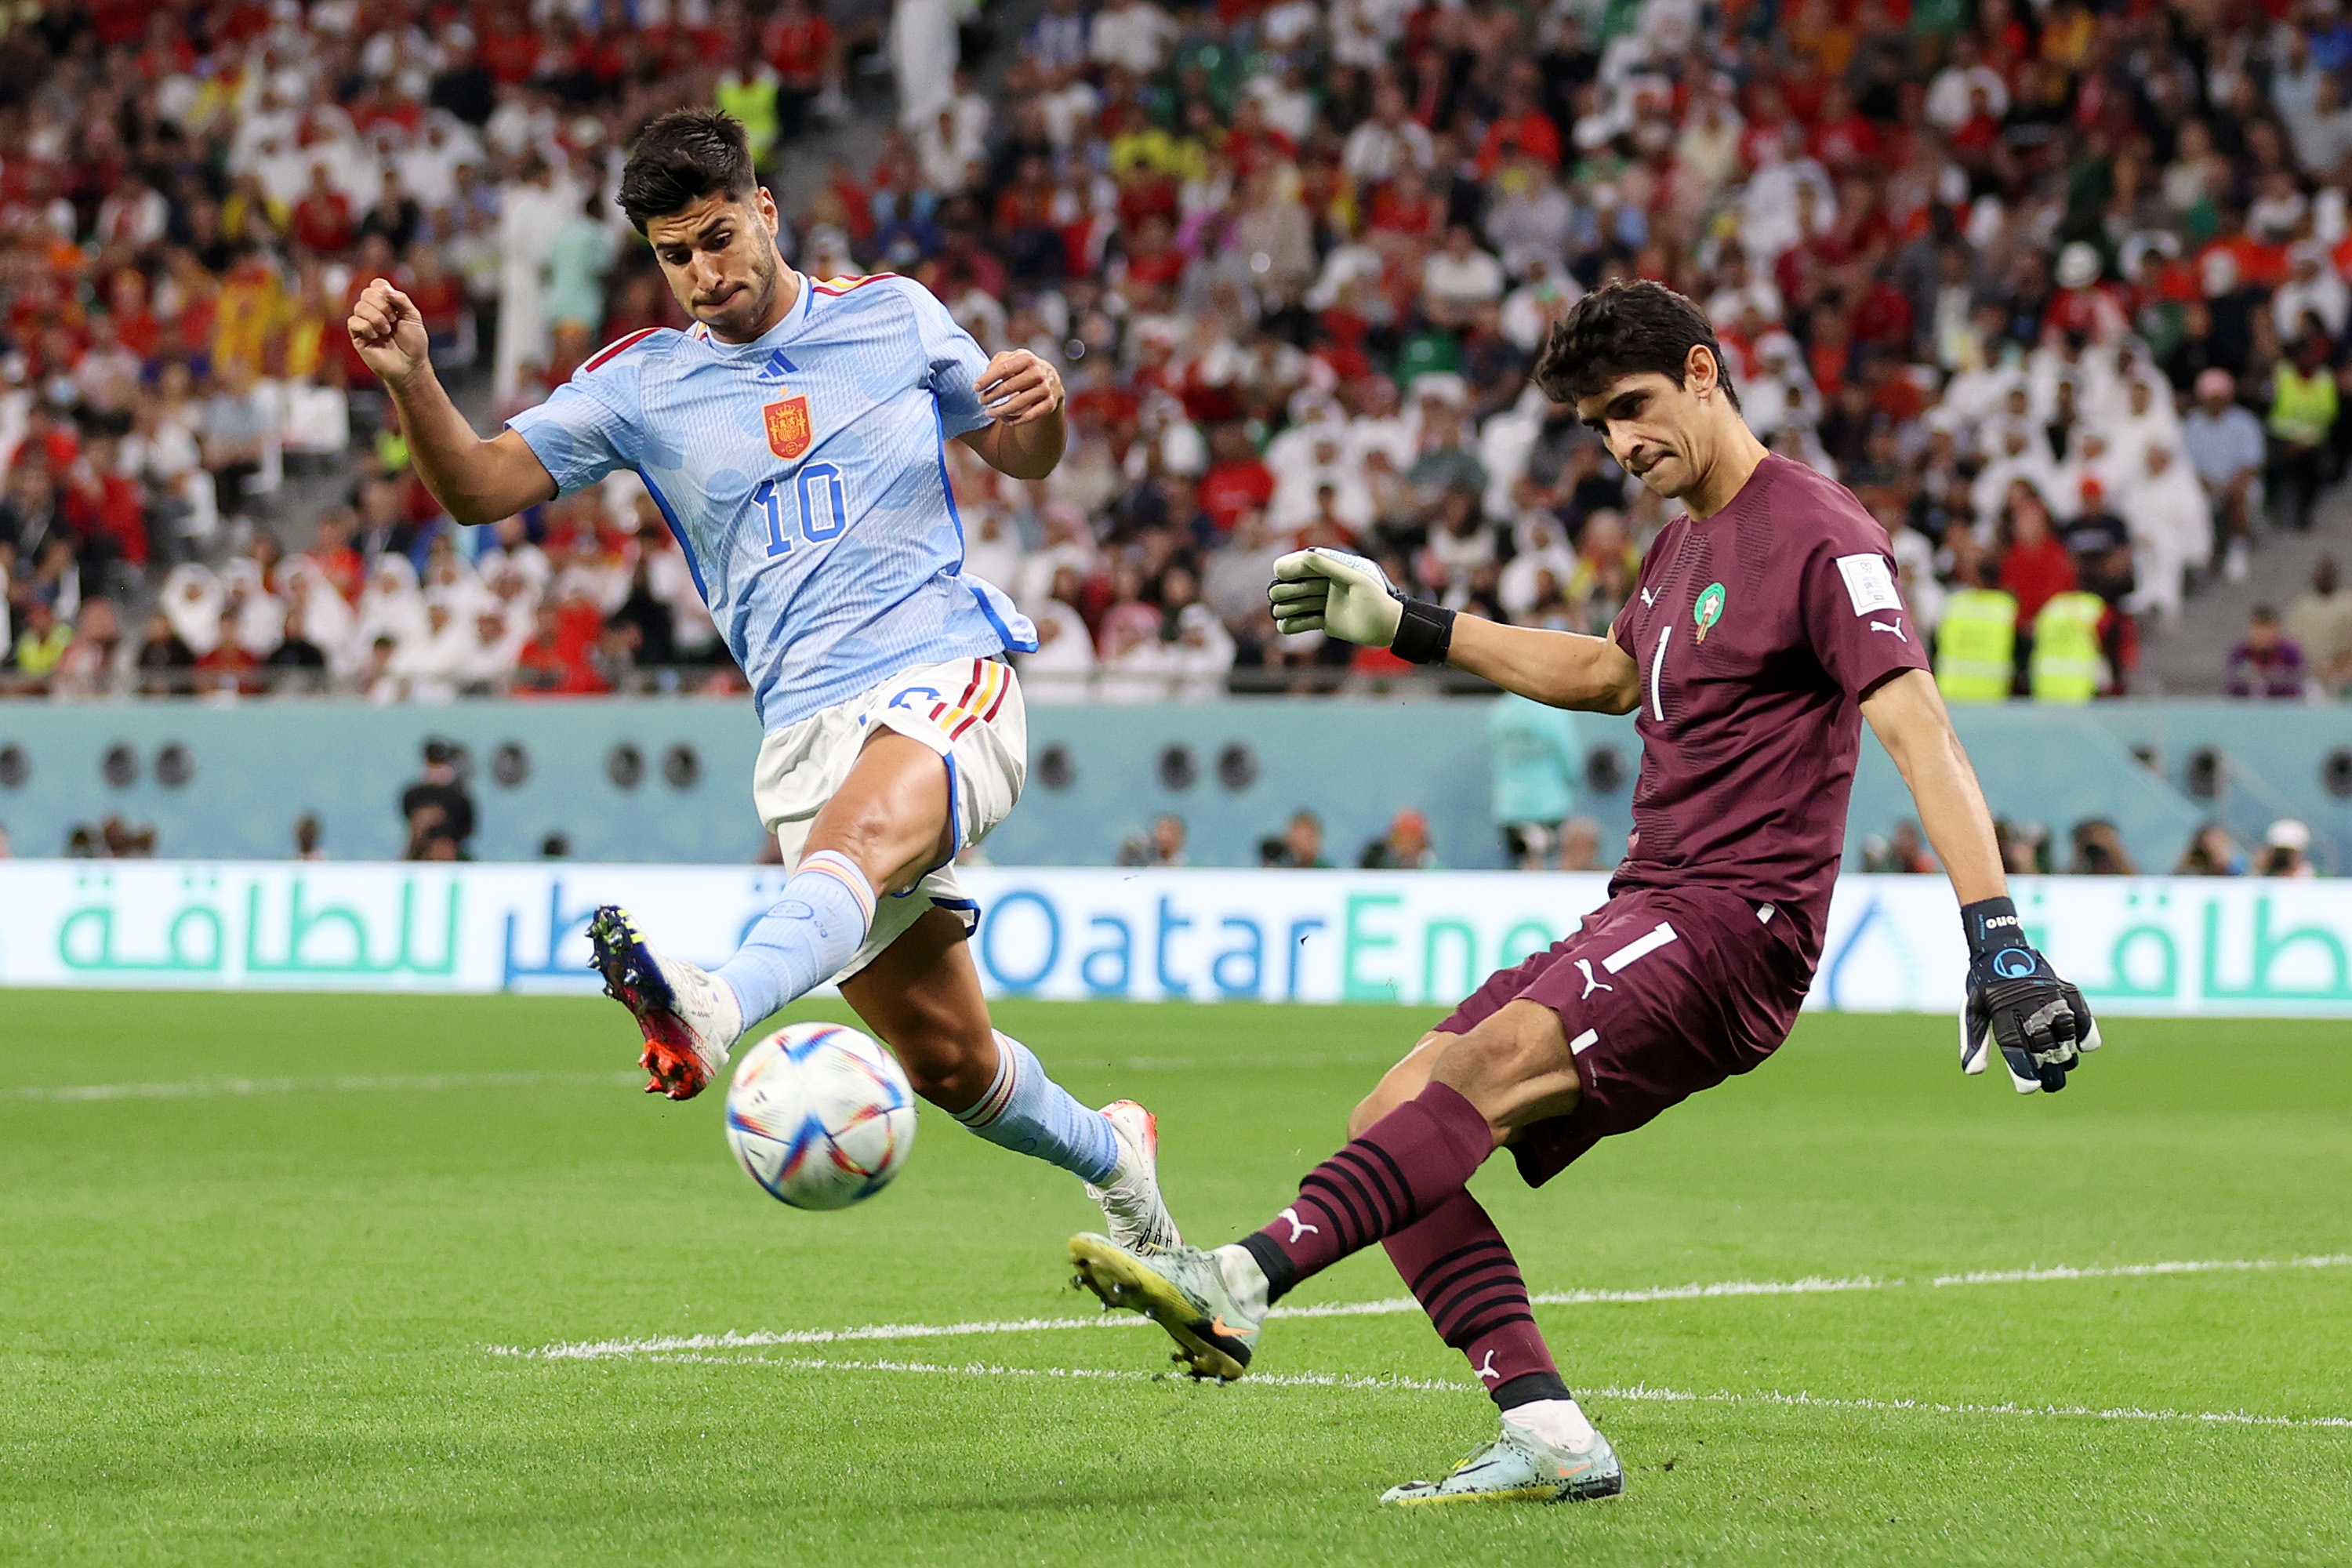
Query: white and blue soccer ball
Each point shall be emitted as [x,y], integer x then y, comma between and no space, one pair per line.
[820,1115]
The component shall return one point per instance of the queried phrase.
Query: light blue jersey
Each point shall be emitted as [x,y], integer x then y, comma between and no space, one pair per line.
[804,475]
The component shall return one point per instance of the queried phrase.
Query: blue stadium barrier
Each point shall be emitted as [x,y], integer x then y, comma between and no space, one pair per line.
[667,779]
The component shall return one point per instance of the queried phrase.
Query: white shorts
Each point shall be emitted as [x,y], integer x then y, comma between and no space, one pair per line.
[969,711]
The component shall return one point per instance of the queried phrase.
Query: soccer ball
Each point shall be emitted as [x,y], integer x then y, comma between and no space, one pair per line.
[821,1116]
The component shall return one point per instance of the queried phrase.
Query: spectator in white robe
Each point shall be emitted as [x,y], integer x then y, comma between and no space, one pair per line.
[254,615]
[450,580]
[510,546]
[1069,544]
[191,601]
[1063,668]
[1306,469]
[2314,288]
[1135,665]
[991,547]
[391,605]
[588,572]
[1202,655]
[325,616]
[431,666]
[2147,416]
[497,638]
[1543,548]
[2171,522]
[2018,453]
[924,50]
[530,213]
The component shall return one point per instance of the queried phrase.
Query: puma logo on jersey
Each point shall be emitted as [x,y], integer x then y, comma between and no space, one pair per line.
[1592,982]
[1486,1369]
[1897,628]
[1649,596]
[1299,1227]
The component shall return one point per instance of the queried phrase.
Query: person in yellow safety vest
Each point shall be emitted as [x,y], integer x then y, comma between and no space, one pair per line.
[1976,645]
[2067,666]
[747,89]
[2304,406]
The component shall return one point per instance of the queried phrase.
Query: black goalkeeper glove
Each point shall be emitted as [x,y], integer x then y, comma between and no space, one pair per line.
[2017,1001]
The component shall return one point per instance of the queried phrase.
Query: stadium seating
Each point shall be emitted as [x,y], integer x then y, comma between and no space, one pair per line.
[1295,260]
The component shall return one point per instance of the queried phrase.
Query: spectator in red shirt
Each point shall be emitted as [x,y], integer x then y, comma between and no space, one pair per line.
[798,43]
[1521,127]
[134,323]
[439,296]
[1237,480]
[228,666]
[338,563]
[509,48]
[322,218]
[104,509]
[1153,262]
[555,662]
[2034,565]
[962,262]
[1843,140]
[46,442]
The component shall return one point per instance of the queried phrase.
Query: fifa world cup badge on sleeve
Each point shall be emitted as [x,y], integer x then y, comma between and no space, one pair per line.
[789,431]
[1868,583]
[1708,609]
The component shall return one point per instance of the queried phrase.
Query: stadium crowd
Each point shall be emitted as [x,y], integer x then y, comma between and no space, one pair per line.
[2058,290]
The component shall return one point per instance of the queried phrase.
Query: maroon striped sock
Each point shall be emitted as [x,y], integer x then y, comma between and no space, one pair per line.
[1404,1165]
[1462,1271]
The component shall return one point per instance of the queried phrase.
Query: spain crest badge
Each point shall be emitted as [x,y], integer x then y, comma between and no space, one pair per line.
[789,430]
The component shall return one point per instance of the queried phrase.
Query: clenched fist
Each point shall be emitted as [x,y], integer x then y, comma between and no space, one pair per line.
[389,332]
[1018,387]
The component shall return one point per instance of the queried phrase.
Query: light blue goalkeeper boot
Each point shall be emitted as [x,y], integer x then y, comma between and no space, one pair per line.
[1185,1291]
[1520,1467]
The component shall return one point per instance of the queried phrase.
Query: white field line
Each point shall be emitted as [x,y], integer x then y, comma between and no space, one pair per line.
[665,1345]
[598,1350]
[2143,1270]
[991,1369]
[213,1089]
[1432,1385]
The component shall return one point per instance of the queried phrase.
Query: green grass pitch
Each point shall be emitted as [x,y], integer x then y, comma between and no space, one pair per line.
[254,1320]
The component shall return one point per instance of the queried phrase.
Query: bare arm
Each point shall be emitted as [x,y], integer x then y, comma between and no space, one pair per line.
[476,481]
[1024,394]
[1563,670]
[1906,713]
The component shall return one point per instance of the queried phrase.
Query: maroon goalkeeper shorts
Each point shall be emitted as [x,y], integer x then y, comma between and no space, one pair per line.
[1663,992]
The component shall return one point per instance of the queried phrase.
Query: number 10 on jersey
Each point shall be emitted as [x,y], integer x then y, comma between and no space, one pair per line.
[824,506]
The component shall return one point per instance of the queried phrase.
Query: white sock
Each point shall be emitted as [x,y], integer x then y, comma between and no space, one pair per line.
[1244,1279]
[1556,1422]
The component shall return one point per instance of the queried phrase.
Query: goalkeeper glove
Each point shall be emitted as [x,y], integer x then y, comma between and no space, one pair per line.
[1348,596]
[2018,1001]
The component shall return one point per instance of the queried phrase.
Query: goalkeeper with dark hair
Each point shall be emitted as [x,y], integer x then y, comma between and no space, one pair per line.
[1765,628]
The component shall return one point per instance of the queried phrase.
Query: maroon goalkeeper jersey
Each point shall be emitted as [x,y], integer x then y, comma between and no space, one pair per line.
[1759,631]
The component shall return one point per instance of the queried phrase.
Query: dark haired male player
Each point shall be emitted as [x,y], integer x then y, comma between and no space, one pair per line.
[1765,627]
[795,440]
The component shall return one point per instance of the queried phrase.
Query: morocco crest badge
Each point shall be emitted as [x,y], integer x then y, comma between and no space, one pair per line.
[789,432]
